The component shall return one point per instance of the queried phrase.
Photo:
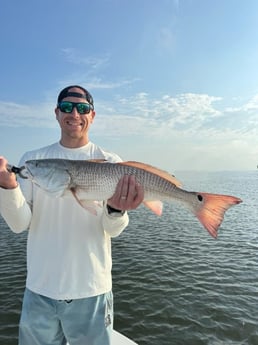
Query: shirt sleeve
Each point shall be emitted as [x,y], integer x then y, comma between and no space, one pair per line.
[114,225]
[14,209]
[15,204]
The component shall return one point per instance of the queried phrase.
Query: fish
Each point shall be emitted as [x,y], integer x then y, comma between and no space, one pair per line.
[92,180]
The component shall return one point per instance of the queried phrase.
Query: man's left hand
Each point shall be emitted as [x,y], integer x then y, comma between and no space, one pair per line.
[128,195]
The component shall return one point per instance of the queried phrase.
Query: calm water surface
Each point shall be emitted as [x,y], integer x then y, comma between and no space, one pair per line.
[173,284]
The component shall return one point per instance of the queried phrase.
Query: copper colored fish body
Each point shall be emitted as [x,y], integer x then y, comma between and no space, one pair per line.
[97,180]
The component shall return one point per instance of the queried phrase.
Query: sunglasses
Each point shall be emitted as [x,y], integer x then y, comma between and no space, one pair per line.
[82,108]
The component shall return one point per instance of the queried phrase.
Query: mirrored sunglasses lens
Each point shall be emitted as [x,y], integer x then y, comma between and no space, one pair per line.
[66,107]
[83,108]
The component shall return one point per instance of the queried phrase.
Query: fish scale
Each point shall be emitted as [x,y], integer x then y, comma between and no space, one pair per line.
[104,178]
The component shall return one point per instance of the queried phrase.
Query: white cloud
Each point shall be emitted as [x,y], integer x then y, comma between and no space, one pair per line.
[73,56]
[20,115]
[193,130]
[185,114]
[98,83]
[182,113]
[252,104]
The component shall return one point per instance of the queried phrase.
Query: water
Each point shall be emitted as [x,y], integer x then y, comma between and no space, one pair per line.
[173,284]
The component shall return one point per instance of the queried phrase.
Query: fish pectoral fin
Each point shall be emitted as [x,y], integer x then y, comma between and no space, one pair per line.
[88,205]
[155,206]
[153,170]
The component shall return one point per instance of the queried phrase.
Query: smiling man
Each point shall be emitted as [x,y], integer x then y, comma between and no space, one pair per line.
[71,104]
[68,295]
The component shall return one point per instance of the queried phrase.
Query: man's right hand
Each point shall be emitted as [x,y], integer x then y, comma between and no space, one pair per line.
[7,179]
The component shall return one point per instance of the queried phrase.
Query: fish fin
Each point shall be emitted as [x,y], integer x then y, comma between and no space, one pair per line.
[154,170]
[88,205]
[155,206]
[213,208]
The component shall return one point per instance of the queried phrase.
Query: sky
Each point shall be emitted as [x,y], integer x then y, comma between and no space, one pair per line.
[174,82]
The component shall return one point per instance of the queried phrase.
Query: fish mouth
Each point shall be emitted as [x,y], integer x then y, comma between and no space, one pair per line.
[28,172]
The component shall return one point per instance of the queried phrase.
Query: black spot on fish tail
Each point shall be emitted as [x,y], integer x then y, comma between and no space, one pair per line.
[200,197]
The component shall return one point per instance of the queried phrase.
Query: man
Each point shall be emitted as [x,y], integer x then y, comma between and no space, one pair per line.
[68,294]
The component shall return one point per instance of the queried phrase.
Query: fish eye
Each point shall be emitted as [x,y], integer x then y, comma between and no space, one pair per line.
[200,198]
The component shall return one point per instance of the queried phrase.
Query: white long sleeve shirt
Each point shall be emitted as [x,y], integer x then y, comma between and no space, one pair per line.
[68,248]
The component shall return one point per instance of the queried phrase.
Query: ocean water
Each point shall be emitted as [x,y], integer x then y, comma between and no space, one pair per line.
[173,284]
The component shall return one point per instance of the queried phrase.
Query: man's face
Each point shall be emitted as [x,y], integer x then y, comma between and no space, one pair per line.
[74,125]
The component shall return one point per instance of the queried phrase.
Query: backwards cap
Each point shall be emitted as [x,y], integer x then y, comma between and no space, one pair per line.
[66,93]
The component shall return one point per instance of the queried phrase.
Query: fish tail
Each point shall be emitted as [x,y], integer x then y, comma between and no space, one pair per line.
[213,208]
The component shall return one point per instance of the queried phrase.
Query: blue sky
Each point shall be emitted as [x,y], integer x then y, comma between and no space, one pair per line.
[175,82]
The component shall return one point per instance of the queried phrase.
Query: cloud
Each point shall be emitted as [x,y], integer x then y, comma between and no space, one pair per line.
[98,83]
[194,130]
[251,105]
[141,114]
[189,130]
[73,56]
[20,115]
[144,113]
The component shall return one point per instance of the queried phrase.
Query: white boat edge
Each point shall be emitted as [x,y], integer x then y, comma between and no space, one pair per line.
[120,339]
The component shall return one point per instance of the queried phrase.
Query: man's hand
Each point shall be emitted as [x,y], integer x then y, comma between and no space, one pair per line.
[7,179]
[128,195]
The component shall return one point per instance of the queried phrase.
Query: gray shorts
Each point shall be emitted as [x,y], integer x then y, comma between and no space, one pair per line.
[45,321]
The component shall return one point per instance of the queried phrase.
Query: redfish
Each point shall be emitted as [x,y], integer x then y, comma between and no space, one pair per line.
[97,179]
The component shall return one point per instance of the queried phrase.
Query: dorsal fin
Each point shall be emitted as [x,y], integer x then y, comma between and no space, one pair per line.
[153,170]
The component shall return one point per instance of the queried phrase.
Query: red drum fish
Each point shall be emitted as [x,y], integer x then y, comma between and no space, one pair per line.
[97,179]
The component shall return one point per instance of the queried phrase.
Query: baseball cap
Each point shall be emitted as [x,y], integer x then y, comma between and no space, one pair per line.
[66,93]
